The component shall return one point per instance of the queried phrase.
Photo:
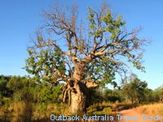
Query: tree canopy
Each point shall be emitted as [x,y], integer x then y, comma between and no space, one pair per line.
[96,52]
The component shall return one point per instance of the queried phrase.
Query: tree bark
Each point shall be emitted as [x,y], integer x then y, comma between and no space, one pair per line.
[76,92]
[78,98]
[77,89]
[79,93]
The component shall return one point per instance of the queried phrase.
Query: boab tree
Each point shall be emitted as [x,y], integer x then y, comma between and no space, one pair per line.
[82,56]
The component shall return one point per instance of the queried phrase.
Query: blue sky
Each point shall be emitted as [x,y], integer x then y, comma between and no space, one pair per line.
[19,19]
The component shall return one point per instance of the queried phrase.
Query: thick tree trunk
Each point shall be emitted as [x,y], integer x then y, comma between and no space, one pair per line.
[78,98]
[77,90]
[79,93]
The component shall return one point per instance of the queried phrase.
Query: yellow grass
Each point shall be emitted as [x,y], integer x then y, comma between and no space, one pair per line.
[45,111]
[151,109]
[21,111]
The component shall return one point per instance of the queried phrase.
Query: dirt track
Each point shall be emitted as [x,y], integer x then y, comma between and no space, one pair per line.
[133,116]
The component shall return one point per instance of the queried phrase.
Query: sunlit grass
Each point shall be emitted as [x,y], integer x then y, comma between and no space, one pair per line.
[151,109]
[19,110]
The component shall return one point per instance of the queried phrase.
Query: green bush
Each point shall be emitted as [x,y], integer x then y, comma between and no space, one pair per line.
[47,93]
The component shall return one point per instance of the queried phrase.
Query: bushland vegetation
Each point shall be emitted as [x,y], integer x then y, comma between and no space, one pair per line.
[23,99]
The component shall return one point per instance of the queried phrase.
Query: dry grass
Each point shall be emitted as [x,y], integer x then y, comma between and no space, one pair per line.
[18,111]
[41,111]
[25,112]
[151,109]
[108,108]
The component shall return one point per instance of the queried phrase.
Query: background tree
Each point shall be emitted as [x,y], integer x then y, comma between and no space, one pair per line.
[158,94]
[135,89]
[82,56]
[115,95]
